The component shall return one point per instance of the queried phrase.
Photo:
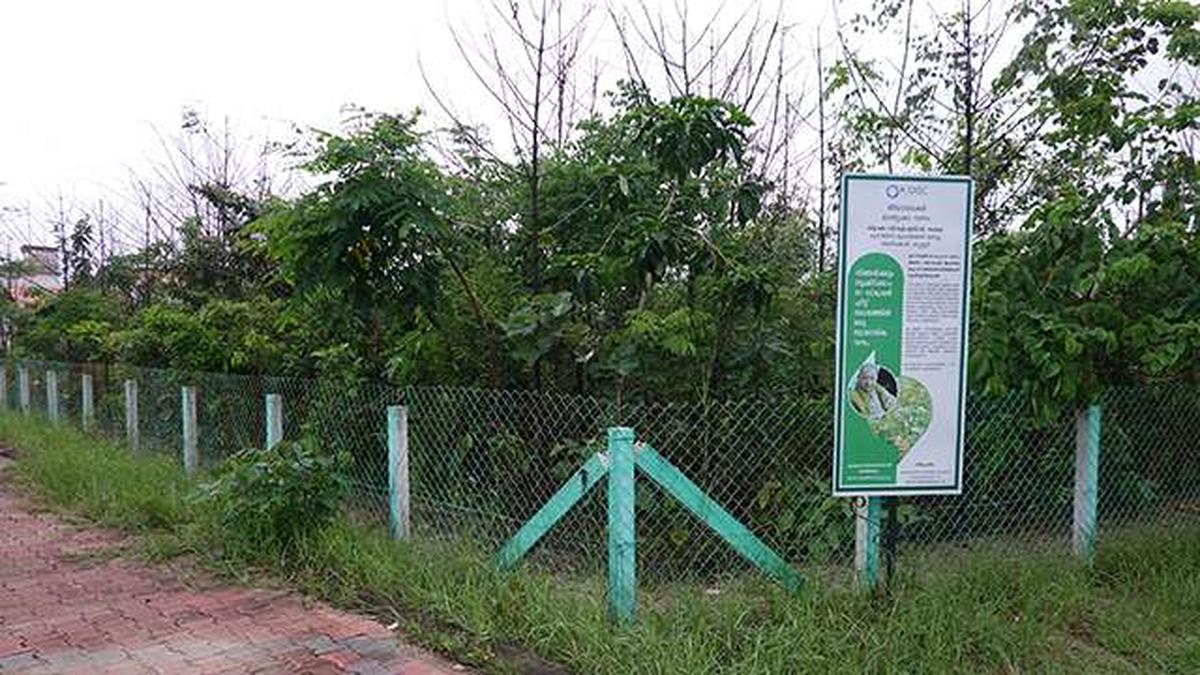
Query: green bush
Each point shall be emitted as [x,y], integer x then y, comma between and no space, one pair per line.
[266,501]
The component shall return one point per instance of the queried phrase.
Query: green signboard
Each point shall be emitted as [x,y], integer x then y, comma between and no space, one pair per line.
[904,271]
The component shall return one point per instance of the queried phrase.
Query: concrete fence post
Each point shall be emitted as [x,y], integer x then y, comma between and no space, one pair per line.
[622,542]
[131,414]
[1087,479]
[398,490]
[4,387]
[52,395]
[87,408]
[274,419]
[868,513]
[191,455]
[23,385]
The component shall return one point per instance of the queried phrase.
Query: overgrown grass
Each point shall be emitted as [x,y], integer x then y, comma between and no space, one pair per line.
[95,478]
[1135,611]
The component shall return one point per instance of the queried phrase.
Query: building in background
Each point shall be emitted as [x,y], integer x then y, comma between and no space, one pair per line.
[36,274]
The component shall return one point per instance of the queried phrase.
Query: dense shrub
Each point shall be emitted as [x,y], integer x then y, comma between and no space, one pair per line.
[266,501]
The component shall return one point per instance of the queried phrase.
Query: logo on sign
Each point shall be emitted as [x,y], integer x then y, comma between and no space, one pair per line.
[893,190]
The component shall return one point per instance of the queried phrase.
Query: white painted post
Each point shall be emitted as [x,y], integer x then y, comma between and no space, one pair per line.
[191,455]
[4,386]
[131,413]
[52,395]
[1087,477]
[398,497]
[87,409]
[274,419]
[23,383]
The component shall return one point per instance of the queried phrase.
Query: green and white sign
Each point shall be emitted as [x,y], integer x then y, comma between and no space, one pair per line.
[903,287]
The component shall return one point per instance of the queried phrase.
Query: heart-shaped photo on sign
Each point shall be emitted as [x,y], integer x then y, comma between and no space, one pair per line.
[905,422]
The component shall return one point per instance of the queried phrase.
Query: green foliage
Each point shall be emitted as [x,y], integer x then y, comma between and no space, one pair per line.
[228,264]
[373,230]
[79,258]
[268,501]
[800,515]
[1060,314]
[170,335]
[221,336]
[666,258]
[72,326]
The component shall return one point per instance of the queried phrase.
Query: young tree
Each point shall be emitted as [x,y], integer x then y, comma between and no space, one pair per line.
[375,231]
[527,68]
[81,263]
[944,102]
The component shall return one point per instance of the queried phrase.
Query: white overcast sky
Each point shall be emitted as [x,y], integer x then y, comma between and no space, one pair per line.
[88,86]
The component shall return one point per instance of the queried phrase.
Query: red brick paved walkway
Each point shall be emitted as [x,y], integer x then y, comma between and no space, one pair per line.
[66,607]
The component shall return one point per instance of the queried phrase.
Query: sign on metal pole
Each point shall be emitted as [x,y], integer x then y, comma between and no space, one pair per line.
[904,275]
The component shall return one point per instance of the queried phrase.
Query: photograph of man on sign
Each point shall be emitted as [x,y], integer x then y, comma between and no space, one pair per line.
[869,397]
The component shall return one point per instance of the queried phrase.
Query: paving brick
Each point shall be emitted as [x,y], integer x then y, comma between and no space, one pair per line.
[372,667]
[421,667]
[64,612]
[10,645]
[19,660]
[322,644]
[341,658]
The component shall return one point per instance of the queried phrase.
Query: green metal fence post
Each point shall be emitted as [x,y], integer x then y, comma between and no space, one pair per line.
[87,410]
[52,395]
[868,514]
[191,453]
[1087,476]
[274,419]
[398,496]
[622,528]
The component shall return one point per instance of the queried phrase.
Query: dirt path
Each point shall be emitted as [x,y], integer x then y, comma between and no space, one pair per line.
[67,606]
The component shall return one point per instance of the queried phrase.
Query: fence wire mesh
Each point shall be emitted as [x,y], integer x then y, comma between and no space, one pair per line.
[481,462]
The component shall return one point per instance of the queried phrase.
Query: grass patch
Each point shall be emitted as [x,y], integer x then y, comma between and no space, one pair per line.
[97,478]
[990,611]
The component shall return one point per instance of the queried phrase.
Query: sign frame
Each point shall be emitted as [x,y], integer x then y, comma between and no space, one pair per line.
[840,488]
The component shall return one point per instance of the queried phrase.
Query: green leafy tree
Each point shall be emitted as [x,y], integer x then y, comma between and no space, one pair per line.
[653,247]
[376,231]
[74,325]
[364,232]
[1099,284]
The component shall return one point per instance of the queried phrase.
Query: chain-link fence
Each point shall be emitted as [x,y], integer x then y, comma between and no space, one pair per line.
[481,462]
